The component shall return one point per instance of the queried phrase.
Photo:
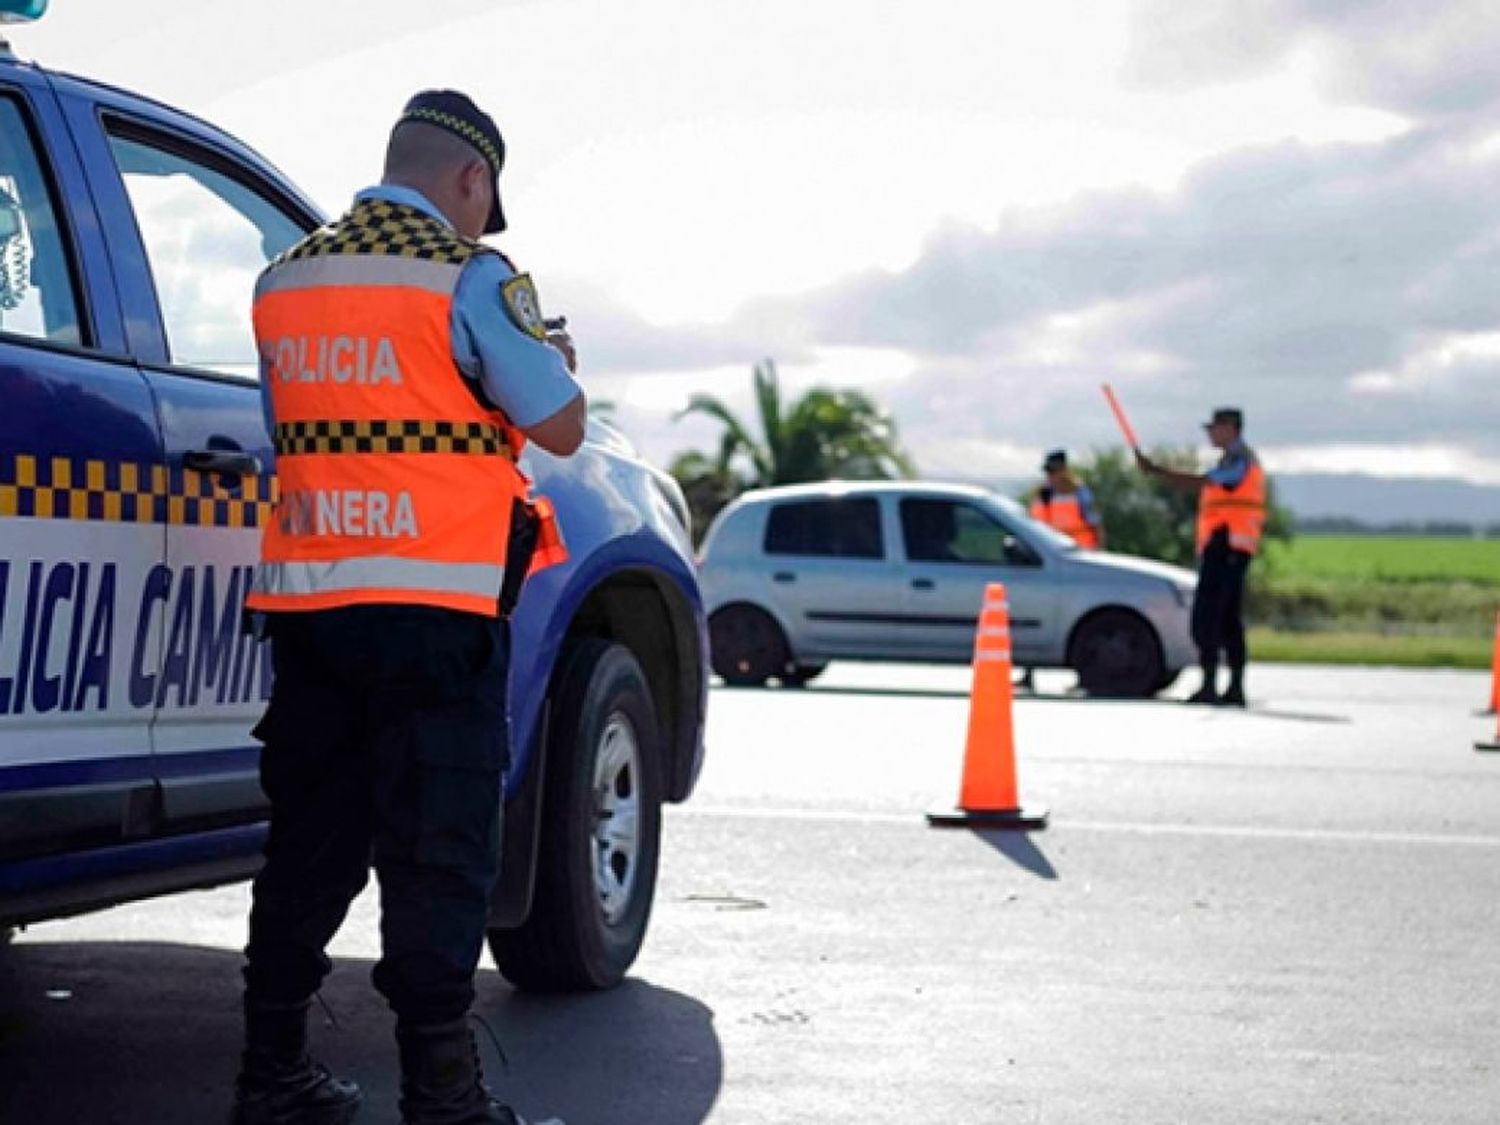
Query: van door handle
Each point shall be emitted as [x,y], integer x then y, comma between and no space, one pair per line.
[227,462]
[783,576]
[923,584]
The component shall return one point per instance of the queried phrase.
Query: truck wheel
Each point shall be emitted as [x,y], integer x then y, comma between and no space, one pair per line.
[746,646]
[600,831]
[1115,653]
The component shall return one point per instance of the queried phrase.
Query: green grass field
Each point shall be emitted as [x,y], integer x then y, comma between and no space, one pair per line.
[1404,600]
[1386,559]
[1276,646]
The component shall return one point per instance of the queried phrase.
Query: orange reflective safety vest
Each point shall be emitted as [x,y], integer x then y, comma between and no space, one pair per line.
[397,484]
[1241,511]
[1065,513]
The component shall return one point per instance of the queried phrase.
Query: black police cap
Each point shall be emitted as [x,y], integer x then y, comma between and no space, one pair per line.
[457,113]
[1057,459]
[1230,414]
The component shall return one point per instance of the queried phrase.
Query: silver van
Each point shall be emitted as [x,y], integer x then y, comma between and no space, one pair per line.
[797,576]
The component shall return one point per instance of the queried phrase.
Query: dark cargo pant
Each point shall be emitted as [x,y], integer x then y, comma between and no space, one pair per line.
[1218,606]
[386,743]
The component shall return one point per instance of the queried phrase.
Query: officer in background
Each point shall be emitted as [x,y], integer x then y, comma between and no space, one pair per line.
[1065,503]
[404,366]
[1231,516]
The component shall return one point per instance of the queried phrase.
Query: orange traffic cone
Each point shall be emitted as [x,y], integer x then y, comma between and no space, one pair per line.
[987,797]
[1494,692]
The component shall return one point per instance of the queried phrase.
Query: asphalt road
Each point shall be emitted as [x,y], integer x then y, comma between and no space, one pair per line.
[1287,914]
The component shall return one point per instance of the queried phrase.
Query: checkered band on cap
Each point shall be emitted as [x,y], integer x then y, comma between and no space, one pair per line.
[454,124]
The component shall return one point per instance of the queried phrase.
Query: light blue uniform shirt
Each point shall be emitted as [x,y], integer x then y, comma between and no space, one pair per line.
[1086,506]
[1232,467]
[523,376]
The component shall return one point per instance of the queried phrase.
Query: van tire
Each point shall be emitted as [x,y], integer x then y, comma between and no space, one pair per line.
[746,646]
[1116,655]
[603,764]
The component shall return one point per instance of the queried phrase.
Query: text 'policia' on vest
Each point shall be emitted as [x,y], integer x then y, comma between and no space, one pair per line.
[1240,510]
[397,483]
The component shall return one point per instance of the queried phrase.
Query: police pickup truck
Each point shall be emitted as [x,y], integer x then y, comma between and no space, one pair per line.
[135,472]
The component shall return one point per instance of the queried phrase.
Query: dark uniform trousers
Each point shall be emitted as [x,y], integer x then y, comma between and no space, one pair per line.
[1218,614]
[386,743]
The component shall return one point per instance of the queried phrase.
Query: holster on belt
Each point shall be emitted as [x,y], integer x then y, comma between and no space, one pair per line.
[524,528]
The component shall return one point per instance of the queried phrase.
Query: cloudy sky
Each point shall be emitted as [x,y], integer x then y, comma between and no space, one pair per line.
[978,211]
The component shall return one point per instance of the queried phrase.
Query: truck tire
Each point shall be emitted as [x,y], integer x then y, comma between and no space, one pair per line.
[600,831]
[1116,655]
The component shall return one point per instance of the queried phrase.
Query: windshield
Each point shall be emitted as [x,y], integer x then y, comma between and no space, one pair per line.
[1036,531]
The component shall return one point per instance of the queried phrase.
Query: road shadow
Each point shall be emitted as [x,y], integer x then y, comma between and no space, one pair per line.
[1019,849]
[136,1032]
[1257,711]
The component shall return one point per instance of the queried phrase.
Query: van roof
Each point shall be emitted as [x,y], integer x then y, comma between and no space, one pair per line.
[839,488]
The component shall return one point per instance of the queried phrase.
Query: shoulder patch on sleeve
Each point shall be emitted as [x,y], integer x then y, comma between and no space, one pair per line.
[522,305]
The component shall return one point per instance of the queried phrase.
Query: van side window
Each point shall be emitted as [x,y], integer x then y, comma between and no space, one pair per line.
[845,529]
[954,532]
[37,296]
[207,237]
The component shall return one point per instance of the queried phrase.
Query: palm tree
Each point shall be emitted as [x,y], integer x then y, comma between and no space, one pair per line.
[824,435]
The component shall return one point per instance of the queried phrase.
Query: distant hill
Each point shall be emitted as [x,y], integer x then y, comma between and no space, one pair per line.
[1381,500]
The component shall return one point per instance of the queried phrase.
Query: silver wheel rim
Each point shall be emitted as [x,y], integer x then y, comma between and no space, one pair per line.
[617,816]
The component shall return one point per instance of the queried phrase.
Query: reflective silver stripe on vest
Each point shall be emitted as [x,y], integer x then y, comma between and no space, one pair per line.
[380,572]
[374,270]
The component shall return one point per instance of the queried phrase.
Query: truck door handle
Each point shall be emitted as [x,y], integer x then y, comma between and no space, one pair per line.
[923,584]
[226,462]
[783,576]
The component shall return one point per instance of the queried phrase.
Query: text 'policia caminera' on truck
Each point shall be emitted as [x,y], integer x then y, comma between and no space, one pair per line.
[69,631]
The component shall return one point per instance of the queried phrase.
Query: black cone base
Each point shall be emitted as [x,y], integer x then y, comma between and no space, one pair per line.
[1033,817]
[1487,745]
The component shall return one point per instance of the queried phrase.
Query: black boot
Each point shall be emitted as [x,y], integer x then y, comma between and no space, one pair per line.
[1209,691]
[1235,696]
[278,1083]
[441,1081]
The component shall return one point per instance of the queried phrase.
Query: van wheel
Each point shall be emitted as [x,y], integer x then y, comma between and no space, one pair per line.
[1115,653]
[600,832]
[747,646]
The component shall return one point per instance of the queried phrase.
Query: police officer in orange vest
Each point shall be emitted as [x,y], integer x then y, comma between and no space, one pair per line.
[1231,515]
[1065,503]
[404,366]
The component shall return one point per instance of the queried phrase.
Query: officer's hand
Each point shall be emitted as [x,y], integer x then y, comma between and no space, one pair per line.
[563,342]
[1144,463]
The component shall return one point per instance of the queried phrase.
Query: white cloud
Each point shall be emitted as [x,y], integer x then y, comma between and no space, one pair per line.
[1426,461]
